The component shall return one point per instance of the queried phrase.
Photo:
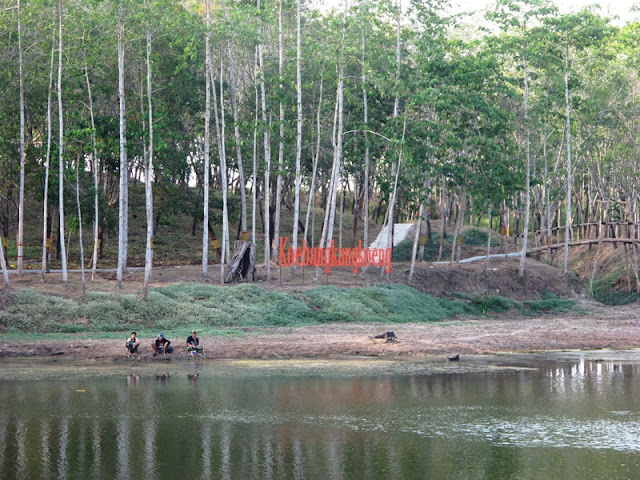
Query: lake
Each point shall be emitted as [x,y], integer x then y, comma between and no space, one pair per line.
[575,416]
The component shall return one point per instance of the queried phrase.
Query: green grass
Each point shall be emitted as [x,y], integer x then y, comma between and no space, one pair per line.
[217,311]
[549,303]
[612,289]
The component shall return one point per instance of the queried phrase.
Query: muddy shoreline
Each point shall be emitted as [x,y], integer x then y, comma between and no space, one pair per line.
[610,328]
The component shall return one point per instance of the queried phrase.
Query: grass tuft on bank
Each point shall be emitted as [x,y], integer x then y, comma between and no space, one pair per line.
[211,308]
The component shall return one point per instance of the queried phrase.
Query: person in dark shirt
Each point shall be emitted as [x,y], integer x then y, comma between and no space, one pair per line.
[193,342]
[161,345]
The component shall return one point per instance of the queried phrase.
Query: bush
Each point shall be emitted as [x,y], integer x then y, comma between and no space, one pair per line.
[477,237]
[610,290]
[382,303]
[492,303]
[549,302]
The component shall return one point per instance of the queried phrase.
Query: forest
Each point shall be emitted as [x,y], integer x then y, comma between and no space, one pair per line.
[236,113]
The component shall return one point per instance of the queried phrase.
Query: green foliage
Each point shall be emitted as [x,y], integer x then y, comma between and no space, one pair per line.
[382,303]
[492,303]
[612,289]
[549,303]
[178,307]
[478,238]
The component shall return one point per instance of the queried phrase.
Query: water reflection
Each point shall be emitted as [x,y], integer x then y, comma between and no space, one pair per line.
[564,420]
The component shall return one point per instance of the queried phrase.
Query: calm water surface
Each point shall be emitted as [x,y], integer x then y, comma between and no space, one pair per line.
[570,419]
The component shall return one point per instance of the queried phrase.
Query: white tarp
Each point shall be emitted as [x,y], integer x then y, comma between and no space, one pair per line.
[400,232]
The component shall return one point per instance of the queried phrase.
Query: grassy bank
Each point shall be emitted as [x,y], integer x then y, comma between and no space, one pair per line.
[224,310]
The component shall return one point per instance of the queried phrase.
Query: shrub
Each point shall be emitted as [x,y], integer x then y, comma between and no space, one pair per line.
[549,303]
[492,303]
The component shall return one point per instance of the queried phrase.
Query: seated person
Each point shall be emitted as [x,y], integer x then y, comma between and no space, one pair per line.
[161,345]
[132,343]
[193,342]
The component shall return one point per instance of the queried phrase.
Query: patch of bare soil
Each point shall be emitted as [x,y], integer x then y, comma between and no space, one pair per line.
[500,277]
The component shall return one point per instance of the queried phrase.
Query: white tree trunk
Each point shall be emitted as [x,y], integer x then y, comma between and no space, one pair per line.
[255,154]
[312,190]
[486,265]
[63,251]
[224,180]
[124,169]
[148,173]
[332,185]
[394,193]
[567,228]
[236,128]
[525,233]
[366,145]
[296,210]
[276,223]
[547,192]
[96,219]
[47,165]
[84,285]
[416,238]
[207,135]
[21,198]
[337,153]
[3,264]
[267,161]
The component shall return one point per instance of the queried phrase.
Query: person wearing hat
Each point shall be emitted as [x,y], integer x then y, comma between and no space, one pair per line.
[193,342]
[161,345]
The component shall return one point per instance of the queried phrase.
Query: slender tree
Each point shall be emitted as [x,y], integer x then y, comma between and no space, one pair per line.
[267,161]
[124,167]
[82,277]
[46,239]
[61,163]
[207,135]
[96,218]
[296,210]
[148,173]
[21,198]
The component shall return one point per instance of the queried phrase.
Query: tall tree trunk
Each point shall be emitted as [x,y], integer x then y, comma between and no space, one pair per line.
[567,228]
[328,202]
[416,239]
[207,135]
[390,221]
[124,168]
[547,192]
[96,219]
[148,173]
[312,190]
[366,145]
[267,161]
[455,254]
[255,154]
[490,219]
[224,180]
[276,230]
[63,251]
[21,197]
[337,148]
[236,129]
[46,237]
[296,208]
[84,284]
[527,207]
[3,264]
